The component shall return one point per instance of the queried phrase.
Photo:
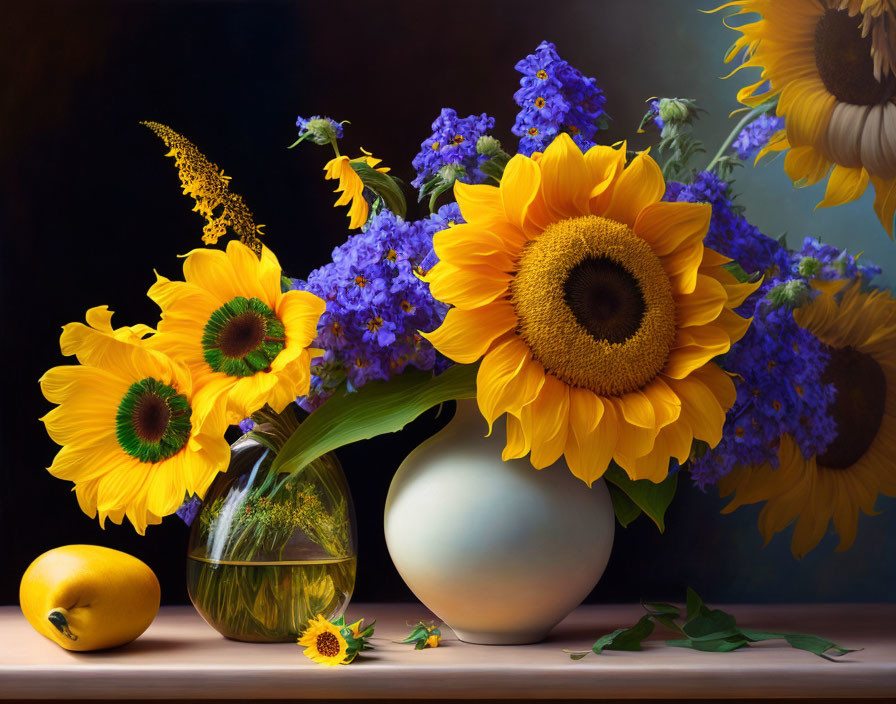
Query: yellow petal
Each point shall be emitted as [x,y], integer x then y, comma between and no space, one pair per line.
[885,202]
[468,287]
[517,446]
[464,245]
[591,440]
[507,380]
[521,195]
[844,186]
[300,312]
[479,203]
[565,180]
[694,347]
[641,184]
[805,166]
[549,422]
[670,226]
[702,306]
[465,335]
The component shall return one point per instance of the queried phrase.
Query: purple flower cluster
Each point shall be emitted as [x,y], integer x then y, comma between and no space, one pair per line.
[755,136]
[376,304]
[453,141]
[554,97]
[778,365]
[826,262]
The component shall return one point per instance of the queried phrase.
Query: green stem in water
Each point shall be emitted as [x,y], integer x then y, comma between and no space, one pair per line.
[58,619]
[747,119]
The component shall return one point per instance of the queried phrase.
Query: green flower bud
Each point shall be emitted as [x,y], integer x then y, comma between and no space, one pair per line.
[449,173]
[488,146]
[792,294]
[674,109]
[809,266]
[321,131]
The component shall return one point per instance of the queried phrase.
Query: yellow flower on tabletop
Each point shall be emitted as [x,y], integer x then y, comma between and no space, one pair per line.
[595,308]
[333,643]
[136,434]
[235,329]
[830,65]
[351,186]
[859,330]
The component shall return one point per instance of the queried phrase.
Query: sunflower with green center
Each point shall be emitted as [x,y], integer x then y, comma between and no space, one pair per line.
[333,642]
[860,332]
[136,435]
[830,64]
[595,308]
[235,329]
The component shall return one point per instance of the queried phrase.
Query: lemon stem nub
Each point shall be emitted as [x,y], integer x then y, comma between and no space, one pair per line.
[57,618]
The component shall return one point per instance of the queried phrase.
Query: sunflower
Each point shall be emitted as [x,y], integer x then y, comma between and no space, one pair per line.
[836,92]
[236,330]
[136,437]
[860,332]
[351,185]
[595,308]
[333,642]
[324,642]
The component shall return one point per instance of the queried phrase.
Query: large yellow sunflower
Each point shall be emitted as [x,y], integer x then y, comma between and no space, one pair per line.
[136,437]
[835,90]
[860,332]
[595,308]
[236,330]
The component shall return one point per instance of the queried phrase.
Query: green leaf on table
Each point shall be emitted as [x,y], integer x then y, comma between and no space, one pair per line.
[801,641]
[620,639]
[652,499]
[704,629]
[665,614]
[625,509]
[720,645]
[376,408]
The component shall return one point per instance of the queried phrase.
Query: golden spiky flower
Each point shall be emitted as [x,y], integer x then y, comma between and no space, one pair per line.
[206,183]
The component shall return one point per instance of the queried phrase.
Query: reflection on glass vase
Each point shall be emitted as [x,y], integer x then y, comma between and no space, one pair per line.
[267,553]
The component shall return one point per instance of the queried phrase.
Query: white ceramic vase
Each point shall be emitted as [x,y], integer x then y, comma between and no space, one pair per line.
[499,551]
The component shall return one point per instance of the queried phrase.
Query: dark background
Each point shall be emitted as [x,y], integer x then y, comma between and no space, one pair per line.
[90,206]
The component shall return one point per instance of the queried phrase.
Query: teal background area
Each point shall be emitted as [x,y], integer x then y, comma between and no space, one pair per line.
[89,207]
[678,52]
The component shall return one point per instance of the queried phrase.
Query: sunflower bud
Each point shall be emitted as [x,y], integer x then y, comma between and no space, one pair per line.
[489,146]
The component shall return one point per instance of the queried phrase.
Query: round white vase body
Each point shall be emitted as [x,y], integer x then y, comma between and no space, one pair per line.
[500,551]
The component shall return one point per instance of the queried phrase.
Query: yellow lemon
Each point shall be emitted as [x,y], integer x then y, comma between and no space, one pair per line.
[86,597]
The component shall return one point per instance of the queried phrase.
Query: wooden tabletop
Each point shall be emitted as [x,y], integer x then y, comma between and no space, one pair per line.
[180,657]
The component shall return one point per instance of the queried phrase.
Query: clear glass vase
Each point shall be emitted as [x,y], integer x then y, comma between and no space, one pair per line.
[267,553]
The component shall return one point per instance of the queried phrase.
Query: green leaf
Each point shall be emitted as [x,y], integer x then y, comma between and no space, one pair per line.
[694,604]
[625,638]
[722,645]
[625,509]
[800,641]
[652,499]
[737,271]
[383,185]
[377,408]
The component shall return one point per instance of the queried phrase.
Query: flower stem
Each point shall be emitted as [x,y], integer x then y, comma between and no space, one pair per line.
[747,119]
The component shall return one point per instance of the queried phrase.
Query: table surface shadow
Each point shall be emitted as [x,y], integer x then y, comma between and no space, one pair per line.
[181,658]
